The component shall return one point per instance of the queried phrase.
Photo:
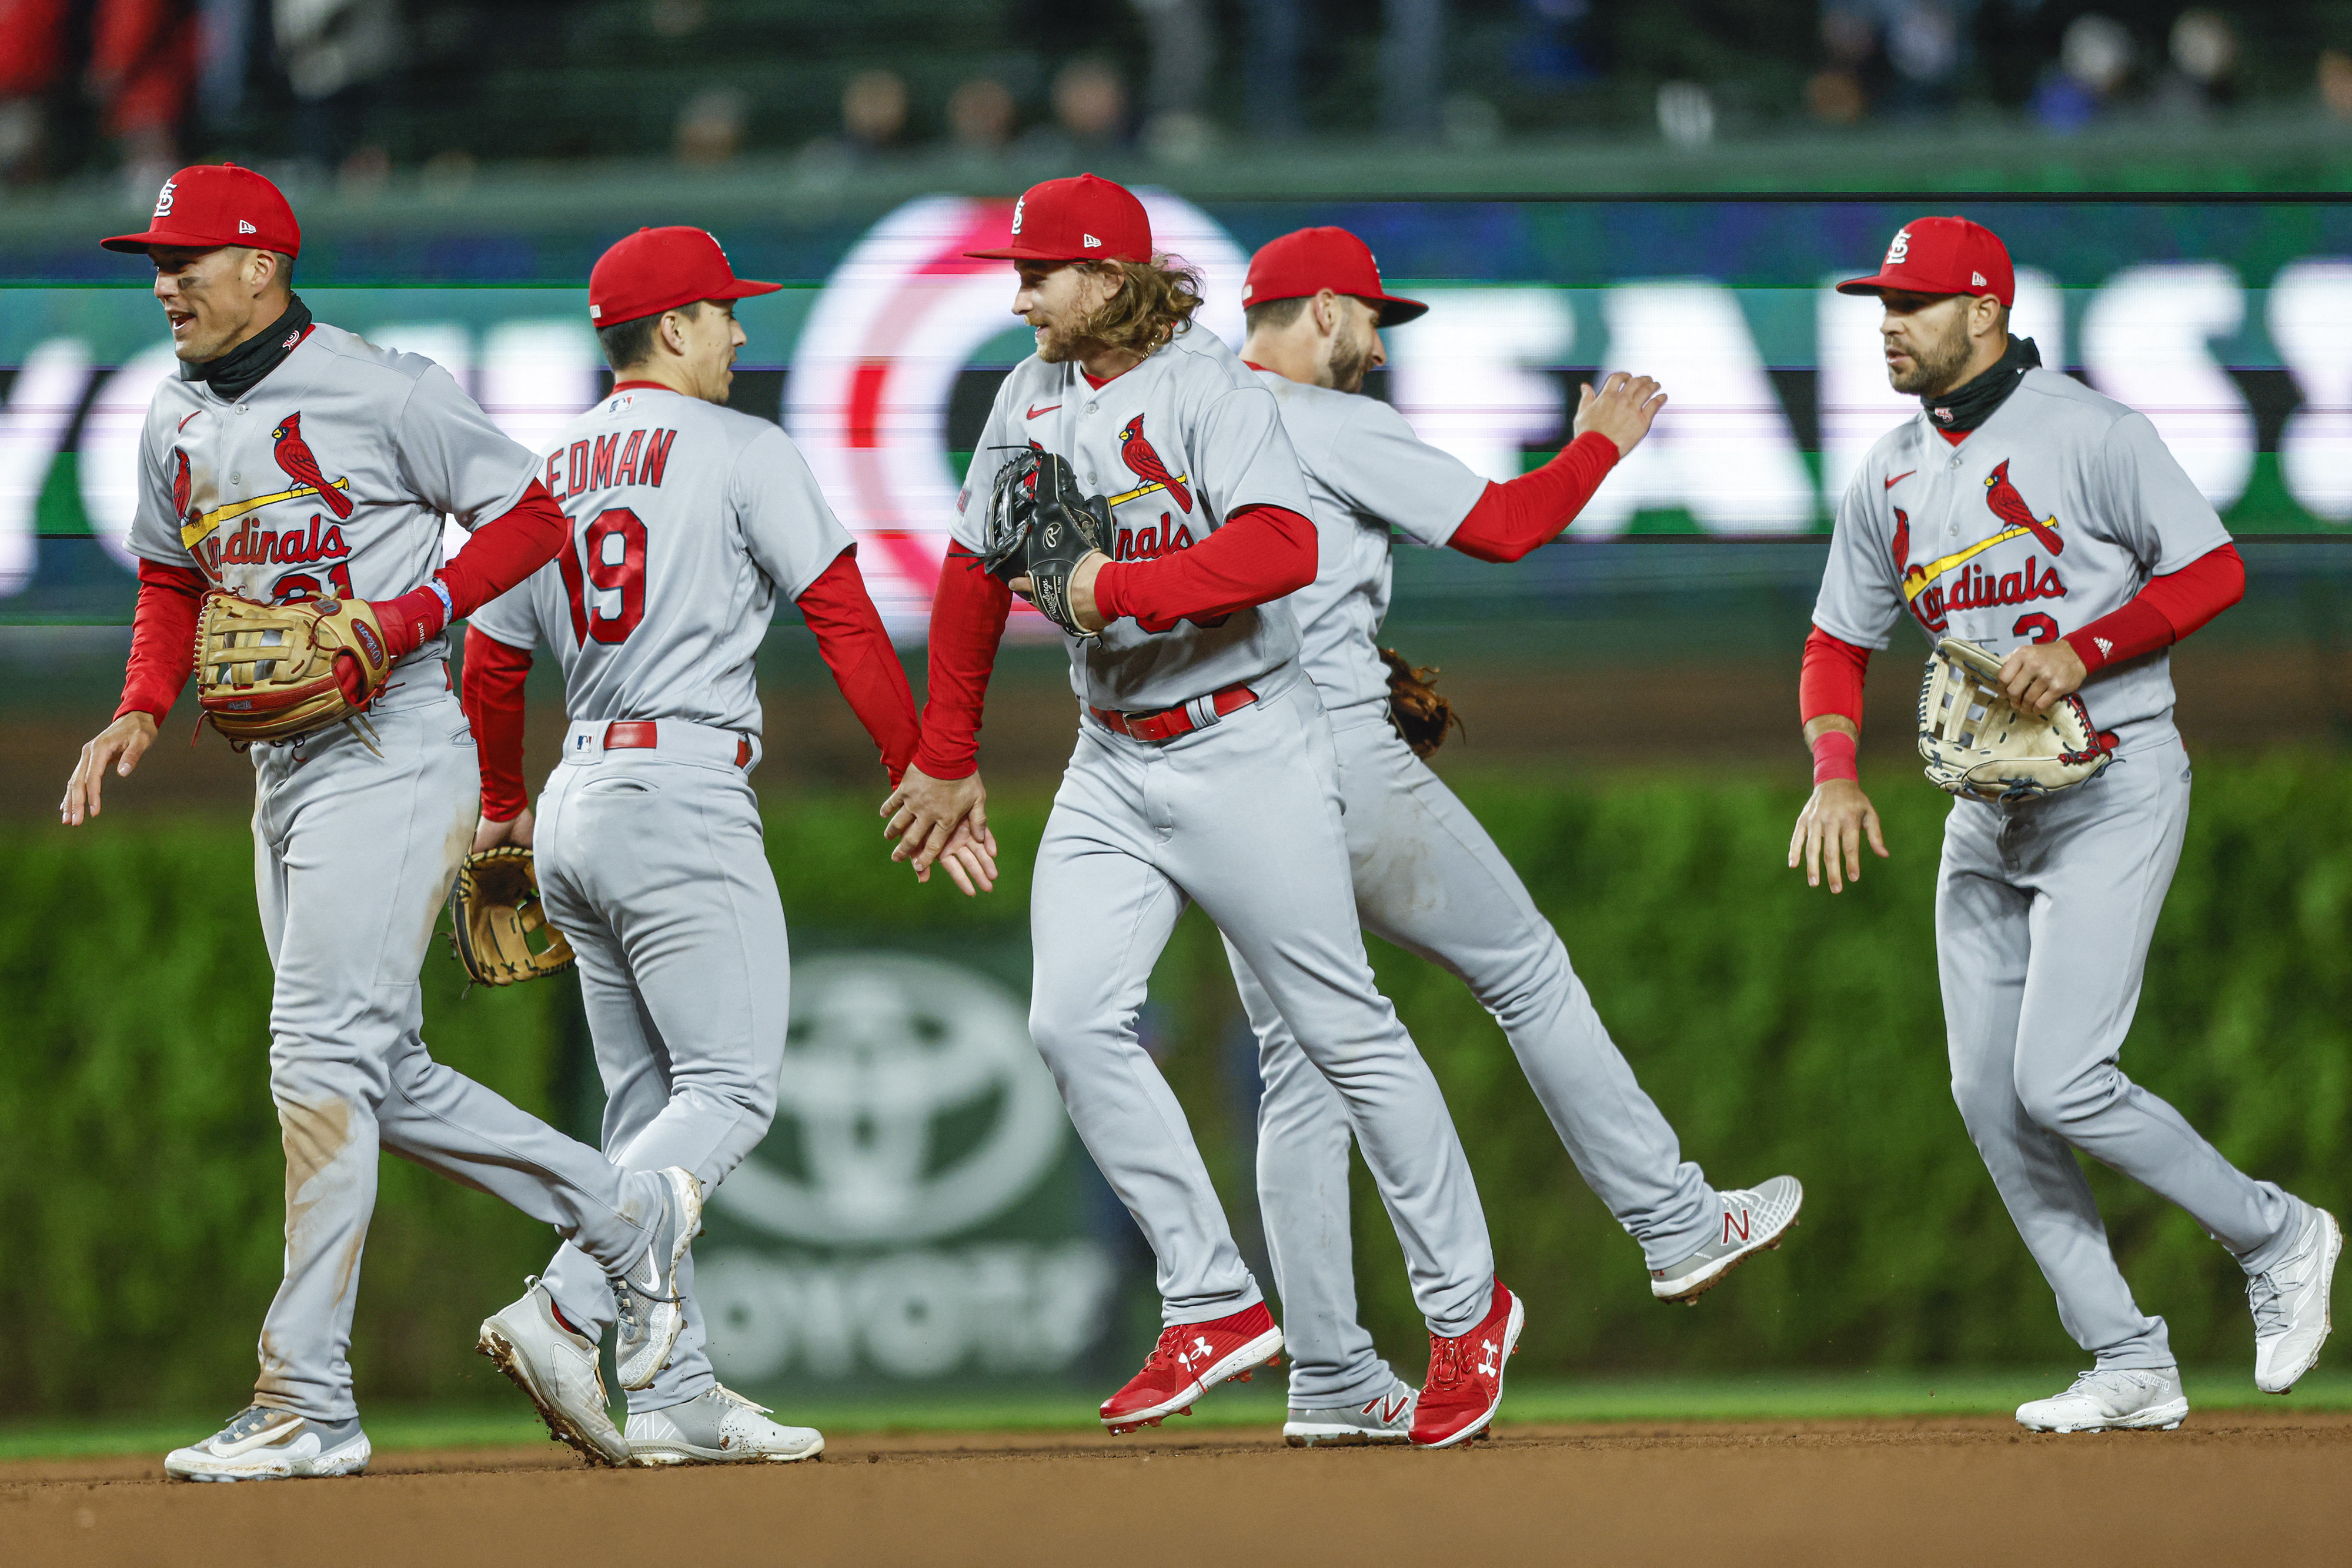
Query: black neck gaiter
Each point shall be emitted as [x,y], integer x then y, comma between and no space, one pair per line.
[240,370]
[1971,404]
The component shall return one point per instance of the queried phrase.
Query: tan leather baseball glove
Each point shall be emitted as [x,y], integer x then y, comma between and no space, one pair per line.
[494,908]
[1978,743]
[269,672]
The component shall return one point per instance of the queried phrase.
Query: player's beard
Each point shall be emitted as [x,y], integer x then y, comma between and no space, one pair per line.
[1936,366]
[1059,343]
[1349,362]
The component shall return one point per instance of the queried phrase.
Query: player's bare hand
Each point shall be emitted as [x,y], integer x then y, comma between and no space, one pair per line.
[119,747]
[2036,675]
[516,830]
[923,814]
[1082,589]
[1830,832]
[1621,409]
[969,860]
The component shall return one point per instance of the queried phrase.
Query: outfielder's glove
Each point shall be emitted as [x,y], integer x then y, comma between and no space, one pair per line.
[494,908]
[1419,712]
[1040,526]
[268,672]
[1978,743]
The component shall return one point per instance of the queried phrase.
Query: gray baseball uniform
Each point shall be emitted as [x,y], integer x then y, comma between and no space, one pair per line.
[1428,878]
[2053,513]
[687,519]
[1241,817]
[332,477]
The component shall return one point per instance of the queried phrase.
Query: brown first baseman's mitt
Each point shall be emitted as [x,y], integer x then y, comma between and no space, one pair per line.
[1041,525]
[1420,715]
[267,672]
[1978,743]
[494,908]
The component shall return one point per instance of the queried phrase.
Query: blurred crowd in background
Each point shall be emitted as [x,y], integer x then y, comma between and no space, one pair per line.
[359,89]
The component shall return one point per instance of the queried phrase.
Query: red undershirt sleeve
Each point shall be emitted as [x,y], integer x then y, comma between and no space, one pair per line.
[968,615]
[849,634]
[501,554]
[1830,682]
[162,638]
[1514,518]
[2160,614]
[1262,553]
[491,691]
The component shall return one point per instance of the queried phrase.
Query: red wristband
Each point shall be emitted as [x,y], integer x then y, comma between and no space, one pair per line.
[1833,752]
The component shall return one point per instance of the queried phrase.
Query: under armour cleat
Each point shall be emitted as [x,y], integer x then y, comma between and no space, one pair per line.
[1464,1387]
[1190,1360]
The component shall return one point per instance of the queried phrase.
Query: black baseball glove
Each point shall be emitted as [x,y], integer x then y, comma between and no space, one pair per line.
[1040,526]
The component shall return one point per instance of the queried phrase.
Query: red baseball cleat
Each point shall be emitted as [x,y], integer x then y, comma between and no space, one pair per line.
[1190,1360]
[1466,1376]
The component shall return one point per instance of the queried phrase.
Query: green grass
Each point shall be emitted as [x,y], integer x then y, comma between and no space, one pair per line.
[1761,1396]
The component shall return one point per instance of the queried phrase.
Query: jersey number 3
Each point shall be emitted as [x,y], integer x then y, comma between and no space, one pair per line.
[626,576]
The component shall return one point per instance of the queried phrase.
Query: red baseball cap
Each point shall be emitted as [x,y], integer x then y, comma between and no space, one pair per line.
[1943,255]
[655,270]
[1082,218]
[207,205]
[1308,261]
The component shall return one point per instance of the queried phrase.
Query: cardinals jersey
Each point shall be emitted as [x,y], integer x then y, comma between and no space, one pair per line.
[327,479]
[686,517]
[1177,445]
[2052,513]
[1368,478]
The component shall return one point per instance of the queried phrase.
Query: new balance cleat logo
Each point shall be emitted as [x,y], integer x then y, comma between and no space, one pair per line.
[1735,1225]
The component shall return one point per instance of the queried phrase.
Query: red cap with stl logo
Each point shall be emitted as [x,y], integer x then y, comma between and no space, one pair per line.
[207,205]
[1308,261]
[1082,218]
[655,270]
[1942,255]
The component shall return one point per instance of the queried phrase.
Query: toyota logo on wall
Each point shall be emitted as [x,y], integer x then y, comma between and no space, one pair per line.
[912,1106]
[877,363]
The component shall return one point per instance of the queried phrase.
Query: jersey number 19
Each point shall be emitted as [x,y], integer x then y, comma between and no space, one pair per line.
[626,576]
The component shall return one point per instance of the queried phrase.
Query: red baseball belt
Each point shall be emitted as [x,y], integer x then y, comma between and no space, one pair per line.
[1168,722]
[644,735]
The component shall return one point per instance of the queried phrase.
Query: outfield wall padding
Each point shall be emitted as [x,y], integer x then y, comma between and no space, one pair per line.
[1781,1030]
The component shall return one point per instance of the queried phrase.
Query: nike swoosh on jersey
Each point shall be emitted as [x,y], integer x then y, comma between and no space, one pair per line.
[1049,408]
[184,424]
[1900,477]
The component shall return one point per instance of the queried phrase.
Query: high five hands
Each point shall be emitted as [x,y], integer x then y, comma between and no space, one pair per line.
[943,822]
[1621,409]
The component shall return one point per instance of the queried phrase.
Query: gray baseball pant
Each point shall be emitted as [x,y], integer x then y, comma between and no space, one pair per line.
[353,854]
[654,864]
[1429,879]
[2042,920]
[1242,818]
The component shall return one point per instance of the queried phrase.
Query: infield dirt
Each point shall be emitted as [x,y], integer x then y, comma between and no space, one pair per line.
[2227,1487]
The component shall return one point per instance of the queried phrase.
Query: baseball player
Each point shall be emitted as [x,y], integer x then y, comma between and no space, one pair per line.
[1427,876]
[2023,512]
[687,519]
[289,460]
[1204,772]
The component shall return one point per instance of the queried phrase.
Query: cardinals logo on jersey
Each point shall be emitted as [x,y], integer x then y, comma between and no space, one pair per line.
[293,455]
[1932,600]
[184,486]
[1135,450]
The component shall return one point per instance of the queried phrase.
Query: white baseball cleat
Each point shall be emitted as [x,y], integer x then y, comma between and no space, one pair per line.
[1388,1418]
[2290,1303]
[646,1298]
[557,1368]
[718,1426]
[264,1445]
[1753,1219]
[2110,1399]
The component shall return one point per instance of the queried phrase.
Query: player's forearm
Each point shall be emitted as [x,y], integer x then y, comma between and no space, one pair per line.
[162,638]
[855,648]
[1513,519]
[1829,703]
[491,690]
[968,615]
[2160,614]
[501,553]
[1261,554]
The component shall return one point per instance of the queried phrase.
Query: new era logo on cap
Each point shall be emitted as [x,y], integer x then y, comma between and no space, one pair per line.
[206,205]
[1090,241]
[1977,278]
[245,229]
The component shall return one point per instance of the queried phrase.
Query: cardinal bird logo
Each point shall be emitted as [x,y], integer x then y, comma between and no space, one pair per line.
[1135,450]
[183,485]
[2010,508]
[294,457]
